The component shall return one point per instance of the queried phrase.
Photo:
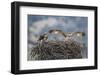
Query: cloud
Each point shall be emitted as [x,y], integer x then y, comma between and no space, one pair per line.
[39,25]
[63,23]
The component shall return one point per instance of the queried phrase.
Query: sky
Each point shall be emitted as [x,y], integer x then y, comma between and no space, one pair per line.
[39,24]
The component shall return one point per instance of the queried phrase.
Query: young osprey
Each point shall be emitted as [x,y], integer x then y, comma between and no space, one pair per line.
[43,37]
[78,34]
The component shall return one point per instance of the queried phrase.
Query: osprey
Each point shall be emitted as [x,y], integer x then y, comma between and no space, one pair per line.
[78,34]
[43,37]
[55,31]
[67,35]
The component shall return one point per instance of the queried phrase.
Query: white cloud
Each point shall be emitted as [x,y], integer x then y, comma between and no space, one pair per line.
[50,22]
[39,25]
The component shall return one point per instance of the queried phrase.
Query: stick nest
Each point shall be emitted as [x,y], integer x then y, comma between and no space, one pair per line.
[51,50]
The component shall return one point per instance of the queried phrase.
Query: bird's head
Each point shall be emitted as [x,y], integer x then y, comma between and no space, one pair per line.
[45,35]
[80,33]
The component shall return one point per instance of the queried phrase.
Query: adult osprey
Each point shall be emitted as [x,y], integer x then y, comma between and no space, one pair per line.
[56,31]
[67,35]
